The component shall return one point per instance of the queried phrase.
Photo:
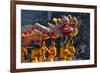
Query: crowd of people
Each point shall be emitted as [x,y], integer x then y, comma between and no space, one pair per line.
[44,53]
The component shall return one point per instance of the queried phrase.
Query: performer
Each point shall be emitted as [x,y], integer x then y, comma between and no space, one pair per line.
[24,54]
[34,55]
[42,52]
[52,52]
[62,55]
[69,51]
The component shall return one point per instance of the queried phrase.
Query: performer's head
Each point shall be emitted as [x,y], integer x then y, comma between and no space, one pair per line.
[53,43]
[43,43]
[65,45]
